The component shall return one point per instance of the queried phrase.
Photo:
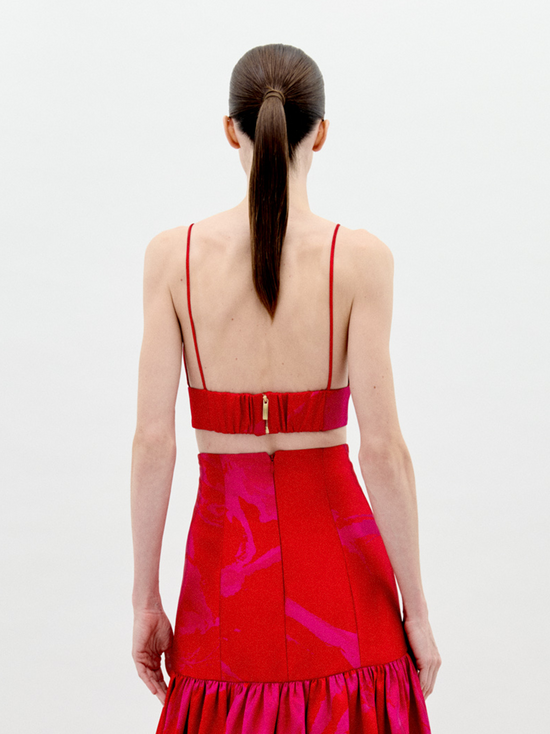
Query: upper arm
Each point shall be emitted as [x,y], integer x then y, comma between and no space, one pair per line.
[369,363]
[161,349]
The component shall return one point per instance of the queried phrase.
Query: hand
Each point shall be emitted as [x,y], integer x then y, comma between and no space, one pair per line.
[152,636]
[428,659]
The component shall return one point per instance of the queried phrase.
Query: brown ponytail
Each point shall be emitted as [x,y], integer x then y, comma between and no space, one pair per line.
[276,97]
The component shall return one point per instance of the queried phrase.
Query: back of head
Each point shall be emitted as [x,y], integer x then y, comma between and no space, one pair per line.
[276,97]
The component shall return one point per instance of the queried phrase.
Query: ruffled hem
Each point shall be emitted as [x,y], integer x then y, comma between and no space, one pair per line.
[376,699]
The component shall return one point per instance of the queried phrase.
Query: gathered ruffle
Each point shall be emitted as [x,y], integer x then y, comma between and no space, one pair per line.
[376,699]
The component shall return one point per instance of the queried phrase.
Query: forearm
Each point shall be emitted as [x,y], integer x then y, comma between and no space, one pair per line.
[153,460]
[389,478]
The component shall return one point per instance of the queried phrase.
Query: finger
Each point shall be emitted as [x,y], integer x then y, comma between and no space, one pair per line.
[434,674]
[156,686]
[427,688]
[429,674]
[425,684]
[146,679]
[435,671]
[160,687]
[430,680]
[151,678]
[161,698]
[158,678]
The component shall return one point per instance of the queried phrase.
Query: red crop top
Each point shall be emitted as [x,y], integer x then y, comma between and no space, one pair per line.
[267,412]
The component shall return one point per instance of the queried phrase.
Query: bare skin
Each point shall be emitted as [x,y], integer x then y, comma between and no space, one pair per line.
[242,350]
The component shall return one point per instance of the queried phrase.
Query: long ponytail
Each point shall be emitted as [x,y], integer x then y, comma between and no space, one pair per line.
[268,197]
[276,97]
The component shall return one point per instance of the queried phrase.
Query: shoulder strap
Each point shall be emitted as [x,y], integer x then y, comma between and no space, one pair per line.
[189,308]
[330,305]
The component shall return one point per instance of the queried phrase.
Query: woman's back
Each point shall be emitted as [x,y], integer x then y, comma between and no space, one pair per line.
[241,350]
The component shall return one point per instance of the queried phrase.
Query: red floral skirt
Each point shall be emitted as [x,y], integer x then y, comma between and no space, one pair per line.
[288,619]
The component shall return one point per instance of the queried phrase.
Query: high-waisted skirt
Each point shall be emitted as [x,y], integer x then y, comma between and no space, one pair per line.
[288,619]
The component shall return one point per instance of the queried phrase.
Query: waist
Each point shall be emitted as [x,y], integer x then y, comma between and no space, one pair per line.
[212,442]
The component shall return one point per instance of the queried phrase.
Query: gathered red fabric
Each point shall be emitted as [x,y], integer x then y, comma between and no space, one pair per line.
[375,699]
[309,410]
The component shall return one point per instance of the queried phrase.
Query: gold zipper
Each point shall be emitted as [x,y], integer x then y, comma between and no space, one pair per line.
[265,409]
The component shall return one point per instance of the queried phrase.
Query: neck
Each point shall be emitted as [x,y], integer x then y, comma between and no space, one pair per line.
[298,201]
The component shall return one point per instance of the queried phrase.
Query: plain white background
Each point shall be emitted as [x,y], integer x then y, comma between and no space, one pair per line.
[112,132]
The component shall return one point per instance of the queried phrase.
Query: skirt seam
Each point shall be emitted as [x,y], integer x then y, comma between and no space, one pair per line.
[348,671]
[345,566]
[282,565]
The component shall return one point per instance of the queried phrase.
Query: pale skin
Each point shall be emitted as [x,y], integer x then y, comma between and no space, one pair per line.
[286,354]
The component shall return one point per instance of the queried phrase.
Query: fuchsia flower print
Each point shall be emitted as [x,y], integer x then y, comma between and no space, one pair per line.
[288,618]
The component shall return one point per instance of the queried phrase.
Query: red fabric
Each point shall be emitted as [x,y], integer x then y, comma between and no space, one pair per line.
[228,412]
[288,617]
[380,699]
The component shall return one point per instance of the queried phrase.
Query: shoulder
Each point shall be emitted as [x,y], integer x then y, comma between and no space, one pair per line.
[165,251]
[166,243]
[364,256]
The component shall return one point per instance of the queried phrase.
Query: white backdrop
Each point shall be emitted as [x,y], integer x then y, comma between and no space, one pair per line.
[111,131]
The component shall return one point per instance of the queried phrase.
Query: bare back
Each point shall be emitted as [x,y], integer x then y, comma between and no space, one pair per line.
[242,350]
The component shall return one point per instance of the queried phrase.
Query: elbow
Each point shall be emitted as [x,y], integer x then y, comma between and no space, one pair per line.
[384,451]
[387,468]
[154,439]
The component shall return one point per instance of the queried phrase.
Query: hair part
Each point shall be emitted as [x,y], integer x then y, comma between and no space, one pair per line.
[276,124]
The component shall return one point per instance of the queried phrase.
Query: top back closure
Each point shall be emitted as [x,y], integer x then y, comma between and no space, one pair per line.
[331,280]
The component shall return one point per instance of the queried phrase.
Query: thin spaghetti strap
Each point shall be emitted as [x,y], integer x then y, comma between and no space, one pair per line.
[185,365]
[330,305]
[189,309]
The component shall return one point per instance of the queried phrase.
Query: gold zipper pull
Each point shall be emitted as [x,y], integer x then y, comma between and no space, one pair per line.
[265,409]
